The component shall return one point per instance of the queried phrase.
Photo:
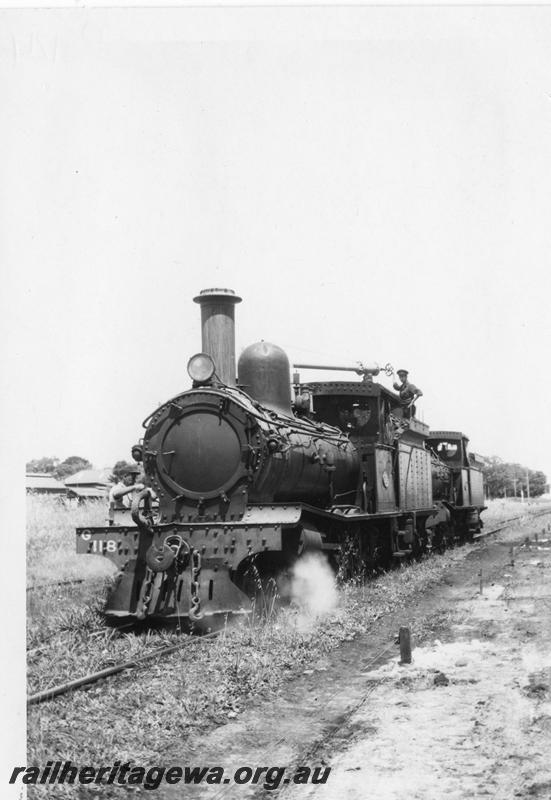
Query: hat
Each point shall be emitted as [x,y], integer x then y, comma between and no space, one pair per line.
[402,372]
[131,470]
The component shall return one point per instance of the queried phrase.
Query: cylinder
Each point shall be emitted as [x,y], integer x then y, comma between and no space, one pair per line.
[264,375]
[218,330]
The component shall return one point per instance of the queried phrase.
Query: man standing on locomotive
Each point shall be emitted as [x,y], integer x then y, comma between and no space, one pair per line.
[408,394]
[121,494]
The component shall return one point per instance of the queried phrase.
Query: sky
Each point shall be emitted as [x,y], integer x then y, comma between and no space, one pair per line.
[373,182]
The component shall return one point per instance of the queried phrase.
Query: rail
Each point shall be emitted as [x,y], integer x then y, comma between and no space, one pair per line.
[64,688]
[505,523]
[54,583]
[93,677]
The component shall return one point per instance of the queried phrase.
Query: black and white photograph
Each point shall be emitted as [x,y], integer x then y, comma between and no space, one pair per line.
[276,335]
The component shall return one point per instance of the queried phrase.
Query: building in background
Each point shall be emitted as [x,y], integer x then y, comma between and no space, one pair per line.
[89,484]
[43,483]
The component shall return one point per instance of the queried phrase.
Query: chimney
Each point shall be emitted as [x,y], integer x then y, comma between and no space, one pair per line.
[218,330]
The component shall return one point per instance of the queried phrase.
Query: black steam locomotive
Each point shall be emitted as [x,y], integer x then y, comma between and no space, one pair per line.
[243,478]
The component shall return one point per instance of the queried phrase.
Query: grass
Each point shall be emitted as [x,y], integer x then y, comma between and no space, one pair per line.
[51,557]
[51,537]
[499,510]
[139,717]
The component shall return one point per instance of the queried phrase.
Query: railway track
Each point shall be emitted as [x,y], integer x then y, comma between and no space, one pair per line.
[54,583]
[507,522]
[86,680]
[93,677]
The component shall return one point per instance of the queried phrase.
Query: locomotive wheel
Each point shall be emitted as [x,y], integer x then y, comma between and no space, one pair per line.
[351,560]
[418,546]
[363,554]
[380,551]
[263,578]
[450,536]
[439,538]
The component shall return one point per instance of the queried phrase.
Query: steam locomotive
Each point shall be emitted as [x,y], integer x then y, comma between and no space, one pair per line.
[246,475]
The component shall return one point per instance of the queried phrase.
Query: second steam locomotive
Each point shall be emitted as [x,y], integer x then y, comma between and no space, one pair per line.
[244,476]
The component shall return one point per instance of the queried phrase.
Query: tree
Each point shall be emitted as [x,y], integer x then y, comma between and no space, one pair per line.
[509,479]
[46,464]
[71,466]
[496,477]
[120,468]
[538,482]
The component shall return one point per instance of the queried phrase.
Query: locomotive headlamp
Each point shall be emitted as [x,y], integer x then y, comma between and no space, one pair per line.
[200,368]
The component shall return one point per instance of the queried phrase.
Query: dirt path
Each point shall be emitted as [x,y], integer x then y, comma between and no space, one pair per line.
[471,717]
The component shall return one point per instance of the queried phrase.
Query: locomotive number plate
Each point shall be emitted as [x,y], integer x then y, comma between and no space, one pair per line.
[109,546]
[117,544]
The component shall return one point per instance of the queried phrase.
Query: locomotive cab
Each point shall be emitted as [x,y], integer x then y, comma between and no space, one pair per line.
[465,483]
[395,466]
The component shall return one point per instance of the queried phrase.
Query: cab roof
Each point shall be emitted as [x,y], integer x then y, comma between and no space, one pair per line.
[448,435]
[362,388]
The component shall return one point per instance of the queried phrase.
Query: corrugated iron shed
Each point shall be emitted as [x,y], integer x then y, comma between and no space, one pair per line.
[88,492]
[89,477]
[43,483]
[89,484]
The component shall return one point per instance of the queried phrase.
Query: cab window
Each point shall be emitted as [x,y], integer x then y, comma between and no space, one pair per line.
[448,451]
[354,415]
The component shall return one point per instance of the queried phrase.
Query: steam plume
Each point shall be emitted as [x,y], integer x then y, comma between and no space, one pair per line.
[313,587]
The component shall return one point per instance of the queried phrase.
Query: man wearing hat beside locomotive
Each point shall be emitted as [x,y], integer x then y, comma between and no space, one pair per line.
[121,494]
[408,394]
